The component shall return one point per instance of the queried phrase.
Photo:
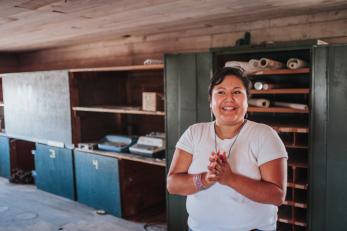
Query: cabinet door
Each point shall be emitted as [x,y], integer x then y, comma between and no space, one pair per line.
[328,159]
[187,78]
[97,182]
[4,157]
[54,168]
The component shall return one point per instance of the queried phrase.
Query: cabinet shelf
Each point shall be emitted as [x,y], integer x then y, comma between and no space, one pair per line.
[276,110]
[299,185]
[283,71]
[281,91]
[297,163]
[297,128]
[293,222]
[295,204]
[118,109]
[127,156]
[2,104]
[121,68]
[296,146]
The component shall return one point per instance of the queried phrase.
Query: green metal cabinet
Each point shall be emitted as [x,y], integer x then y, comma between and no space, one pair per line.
[97,182]
[54,169]
[328,182]
[187,79]
[5,156]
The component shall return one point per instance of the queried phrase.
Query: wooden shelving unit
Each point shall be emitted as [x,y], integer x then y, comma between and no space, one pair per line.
[291,125]
[108,100]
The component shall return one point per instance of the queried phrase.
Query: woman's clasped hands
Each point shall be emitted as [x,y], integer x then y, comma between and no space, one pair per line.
[219,169]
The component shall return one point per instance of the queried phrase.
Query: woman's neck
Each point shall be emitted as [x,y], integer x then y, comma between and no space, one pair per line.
[228,131]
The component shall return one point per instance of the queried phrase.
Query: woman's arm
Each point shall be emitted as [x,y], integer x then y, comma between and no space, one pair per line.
[271,189]
[178,180]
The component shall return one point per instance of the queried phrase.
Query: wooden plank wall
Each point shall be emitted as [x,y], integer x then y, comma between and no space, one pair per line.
[328,26]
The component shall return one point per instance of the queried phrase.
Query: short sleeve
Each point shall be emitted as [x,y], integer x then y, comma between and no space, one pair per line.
[186,141]
[270,146]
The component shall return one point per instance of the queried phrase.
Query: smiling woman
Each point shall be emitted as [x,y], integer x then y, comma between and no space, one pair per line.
[228,93]
[232,170]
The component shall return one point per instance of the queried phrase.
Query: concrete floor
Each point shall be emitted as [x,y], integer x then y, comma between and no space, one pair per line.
[24,208]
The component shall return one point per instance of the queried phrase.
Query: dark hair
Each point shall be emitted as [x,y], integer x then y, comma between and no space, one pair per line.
[236,72]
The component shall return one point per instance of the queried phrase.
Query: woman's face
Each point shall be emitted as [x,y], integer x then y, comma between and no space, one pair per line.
[229,101]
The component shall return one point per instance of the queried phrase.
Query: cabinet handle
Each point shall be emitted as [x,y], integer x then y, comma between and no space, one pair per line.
[52,153]
[96,164]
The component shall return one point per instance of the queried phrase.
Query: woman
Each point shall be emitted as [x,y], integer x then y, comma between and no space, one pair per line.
[232,170]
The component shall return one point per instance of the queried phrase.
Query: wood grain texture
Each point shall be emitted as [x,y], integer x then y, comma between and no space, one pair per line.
[8,62]
[136,48]
[39,24]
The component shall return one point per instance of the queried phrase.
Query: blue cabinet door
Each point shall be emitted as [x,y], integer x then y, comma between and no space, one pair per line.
[97,182]
[54,169]
[5,156]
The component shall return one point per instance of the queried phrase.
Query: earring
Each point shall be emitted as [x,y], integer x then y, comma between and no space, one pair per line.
[212,115]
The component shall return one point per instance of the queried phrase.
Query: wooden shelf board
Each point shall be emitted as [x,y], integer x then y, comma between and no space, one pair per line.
[296,146]
[282,91]
[297,128]
[118,109]
[297,185]
[283,71]
[295,204]
[276,109]
[127,156]
[297,164]
[293,222]
[122,68]
[2,104]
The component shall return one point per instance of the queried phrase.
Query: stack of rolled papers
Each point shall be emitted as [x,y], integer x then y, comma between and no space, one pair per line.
[295,63]
[152,61]
[270,64]
[259,102]
[249,67]
[297,106]
[265,86]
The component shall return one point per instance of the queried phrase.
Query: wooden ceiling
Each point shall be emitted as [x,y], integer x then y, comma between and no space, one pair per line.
[39,24]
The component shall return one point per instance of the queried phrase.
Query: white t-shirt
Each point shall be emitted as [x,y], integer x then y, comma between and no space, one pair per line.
[220,208]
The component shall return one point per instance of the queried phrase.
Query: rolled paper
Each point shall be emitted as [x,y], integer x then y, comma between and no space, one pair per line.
[258,86]
[254,63]
[152,61]
[297,106]
[270,64]
[265,86]
[295,63]
[249,67]
[259,102]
